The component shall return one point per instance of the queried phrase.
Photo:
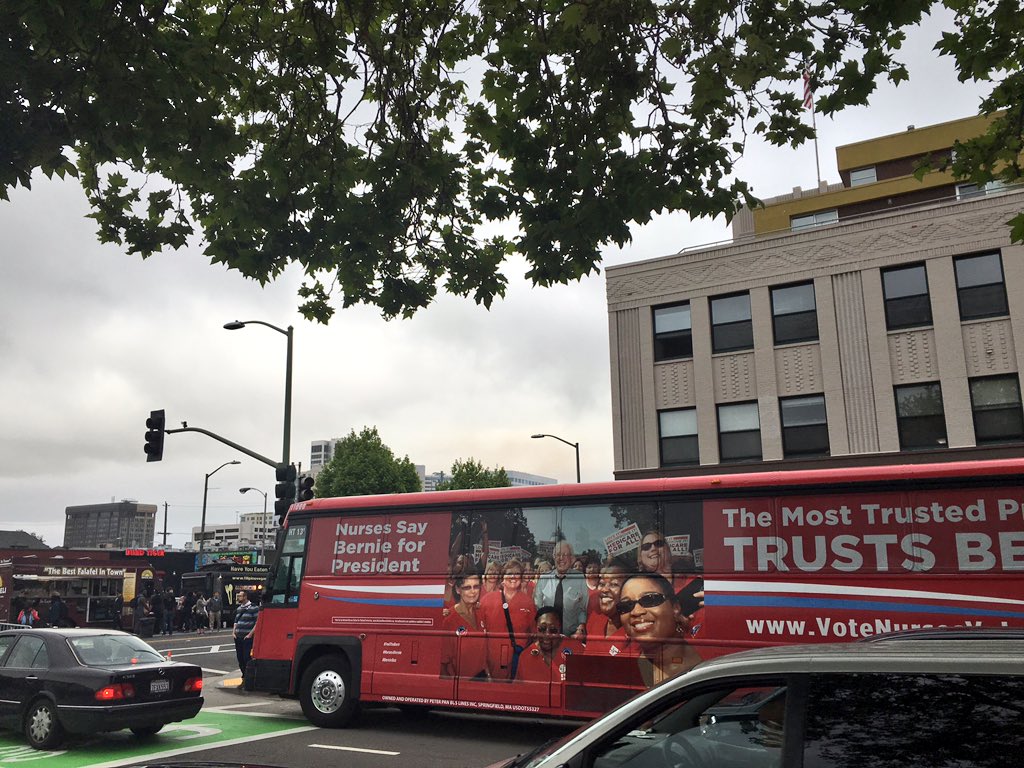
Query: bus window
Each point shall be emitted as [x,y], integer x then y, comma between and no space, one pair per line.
[507,536]
[288,578]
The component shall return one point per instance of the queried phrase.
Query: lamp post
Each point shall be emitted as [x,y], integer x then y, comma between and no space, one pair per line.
[236,325]
[263,536]
[206,489]
[574,445]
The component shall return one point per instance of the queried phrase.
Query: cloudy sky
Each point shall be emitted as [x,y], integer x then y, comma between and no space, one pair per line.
[92,339]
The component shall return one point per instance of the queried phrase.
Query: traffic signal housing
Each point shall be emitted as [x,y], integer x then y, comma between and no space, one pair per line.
[155,436]
[284,490]
[306,488]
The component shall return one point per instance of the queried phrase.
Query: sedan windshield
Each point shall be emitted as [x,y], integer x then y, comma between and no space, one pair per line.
[104,650]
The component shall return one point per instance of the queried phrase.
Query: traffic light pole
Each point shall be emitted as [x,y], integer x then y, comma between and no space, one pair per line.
[224,440]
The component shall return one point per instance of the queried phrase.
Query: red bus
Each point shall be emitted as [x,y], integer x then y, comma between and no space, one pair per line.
[386,598]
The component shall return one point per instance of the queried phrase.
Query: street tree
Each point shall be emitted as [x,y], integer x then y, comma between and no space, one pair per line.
[470,473]
[362,464]
[378,144]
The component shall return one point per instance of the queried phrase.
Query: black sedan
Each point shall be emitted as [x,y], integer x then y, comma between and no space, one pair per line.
[57,681]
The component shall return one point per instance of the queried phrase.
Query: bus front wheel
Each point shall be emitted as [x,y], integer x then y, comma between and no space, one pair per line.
[326,692]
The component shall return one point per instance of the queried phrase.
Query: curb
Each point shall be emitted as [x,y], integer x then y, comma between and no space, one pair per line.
[231,684]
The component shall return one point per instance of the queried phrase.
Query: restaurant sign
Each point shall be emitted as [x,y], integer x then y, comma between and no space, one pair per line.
[83,571]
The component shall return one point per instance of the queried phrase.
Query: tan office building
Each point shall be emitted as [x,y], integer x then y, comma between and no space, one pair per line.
[879,320]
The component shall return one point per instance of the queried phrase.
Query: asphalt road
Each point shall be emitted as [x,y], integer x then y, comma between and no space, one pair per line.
[381,737]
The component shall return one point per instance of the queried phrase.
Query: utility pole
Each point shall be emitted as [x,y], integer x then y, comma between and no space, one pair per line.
[165,525]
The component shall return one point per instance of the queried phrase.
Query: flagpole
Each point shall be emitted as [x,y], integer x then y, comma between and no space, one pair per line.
[817,162]
[809,104]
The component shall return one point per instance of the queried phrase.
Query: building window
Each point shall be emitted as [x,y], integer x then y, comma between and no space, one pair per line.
[739,432]
[995,403]
[967,191]
[919,416]
[814,219]
[804,427]
[677,431]
[794,316]
[731,329]
[906,297]
[980,290]
[863,176]
[672,335]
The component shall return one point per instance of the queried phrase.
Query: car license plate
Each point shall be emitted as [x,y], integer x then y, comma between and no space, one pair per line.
[160,686]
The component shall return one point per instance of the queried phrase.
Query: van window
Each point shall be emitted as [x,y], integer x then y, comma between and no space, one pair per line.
[911,721]
[724,727]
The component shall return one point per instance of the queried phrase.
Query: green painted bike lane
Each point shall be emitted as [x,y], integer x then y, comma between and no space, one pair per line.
[208,730]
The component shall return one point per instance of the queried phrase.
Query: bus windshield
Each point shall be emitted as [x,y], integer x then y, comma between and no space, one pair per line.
[284,586]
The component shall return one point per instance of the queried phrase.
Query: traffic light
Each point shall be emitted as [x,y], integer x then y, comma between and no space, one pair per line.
[155,436]
[306,488]
[285,489]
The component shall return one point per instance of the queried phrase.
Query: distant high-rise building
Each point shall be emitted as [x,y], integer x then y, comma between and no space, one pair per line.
[252,530]
[320,452]
[516,478]
[525,478]
[119,524]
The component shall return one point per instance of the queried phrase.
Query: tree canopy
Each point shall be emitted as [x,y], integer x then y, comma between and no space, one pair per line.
[377,144]
[363,465]
[470,473]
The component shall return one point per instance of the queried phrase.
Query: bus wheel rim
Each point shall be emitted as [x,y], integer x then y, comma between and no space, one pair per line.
[328,692]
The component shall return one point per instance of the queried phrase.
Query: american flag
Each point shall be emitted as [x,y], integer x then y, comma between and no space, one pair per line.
[808,89]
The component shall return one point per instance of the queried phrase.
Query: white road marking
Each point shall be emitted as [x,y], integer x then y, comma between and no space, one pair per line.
[200,747]
[216,671]
[215,649]
[230,708]
[276,715]
[344,749]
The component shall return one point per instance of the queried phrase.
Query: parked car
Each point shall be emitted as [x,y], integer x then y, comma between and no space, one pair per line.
[906,704]
[57,681]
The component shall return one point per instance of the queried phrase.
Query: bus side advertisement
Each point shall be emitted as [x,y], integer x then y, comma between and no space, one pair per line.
[568,605]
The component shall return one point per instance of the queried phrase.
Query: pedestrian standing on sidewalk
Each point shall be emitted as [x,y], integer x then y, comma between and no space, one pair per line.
[199,615]
[245,625]
[214,609]
[156,607]
[170,611]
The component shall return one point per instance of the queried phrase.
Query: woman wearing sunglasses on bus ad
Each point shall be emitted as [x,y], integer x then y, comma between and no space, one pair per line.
[656,625]
[655,556]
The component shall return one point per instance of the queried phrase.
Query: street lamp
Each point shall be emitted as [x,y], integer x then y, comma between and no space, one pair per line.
[206,489]
[263,536]
[574,445]
[285,451]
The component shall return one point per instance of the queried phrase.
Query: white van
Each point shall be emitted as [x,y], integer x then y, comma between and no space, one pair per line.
[902,703]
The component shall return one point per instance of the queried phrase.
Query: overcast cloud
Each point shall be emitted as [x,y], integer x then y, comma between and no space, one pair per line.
[92,339]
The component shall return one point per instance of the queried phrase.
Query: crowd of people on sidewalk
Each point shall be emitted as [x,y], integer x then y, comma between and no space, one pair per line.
[196,612]
[188,612]
[35,614]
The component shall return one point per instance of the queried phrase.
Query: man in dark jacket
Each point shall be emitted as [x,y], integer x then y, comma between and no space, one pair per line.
[170,608]
[58,615]
[156,603]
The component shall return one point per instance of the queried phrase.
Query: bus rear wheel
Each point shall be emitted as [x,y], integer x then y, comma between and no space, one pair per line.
[325,692]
